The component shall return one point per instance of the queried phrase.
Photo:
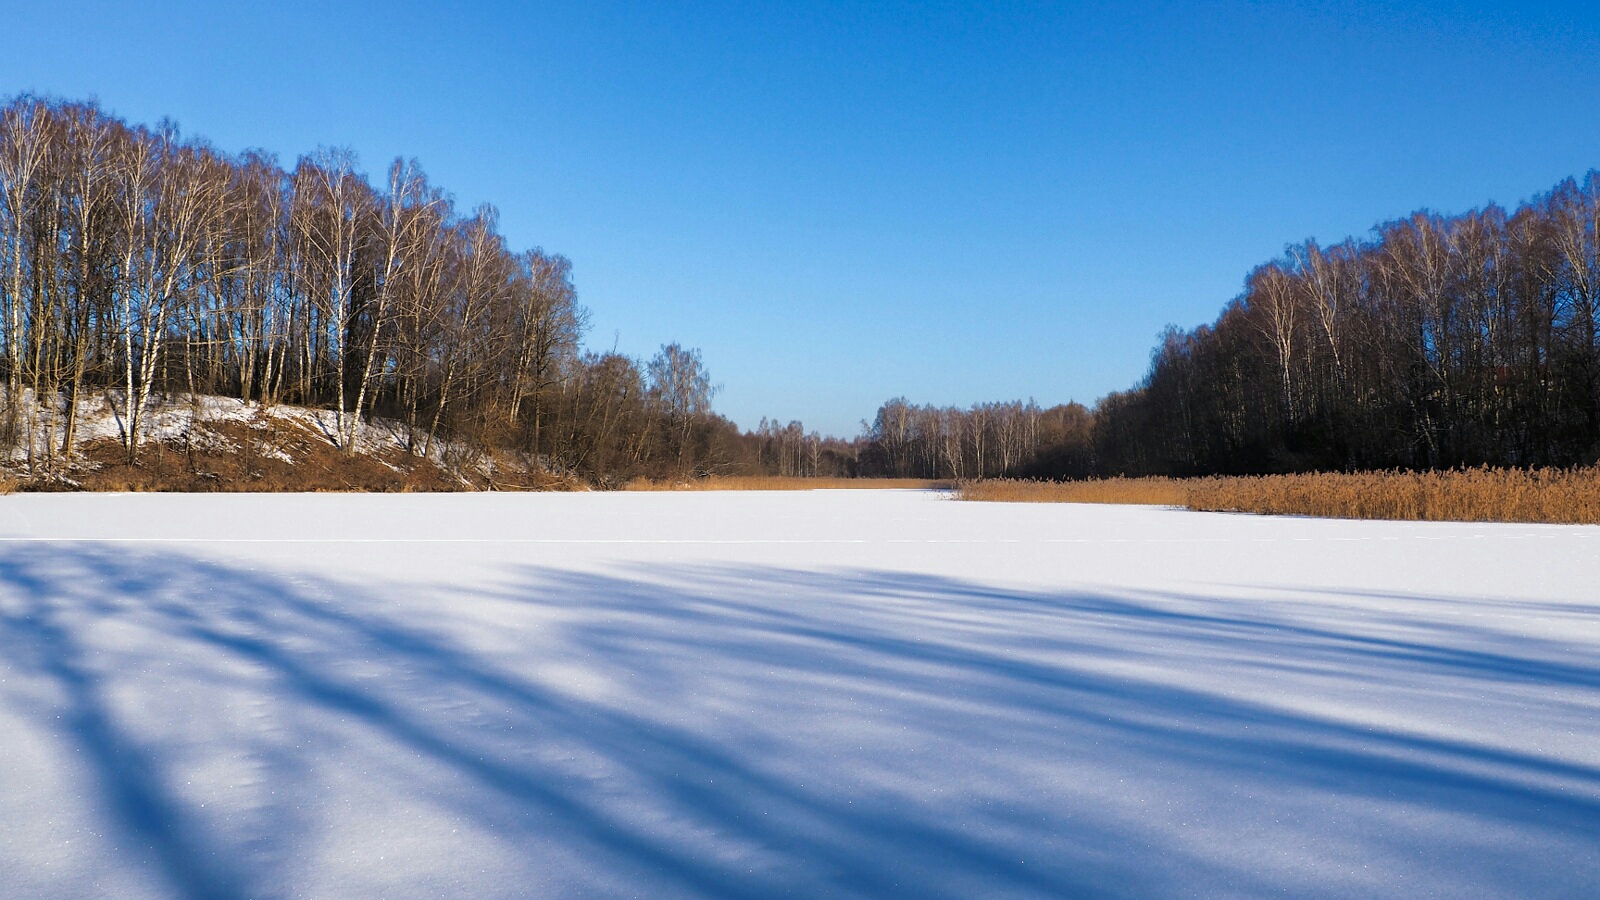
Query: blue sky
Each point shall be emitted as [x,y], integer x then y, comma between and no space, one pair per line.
[840,203]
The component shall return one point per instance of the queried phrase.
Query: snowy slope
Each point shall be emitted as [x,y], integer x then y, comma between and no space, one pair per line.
[176,420]
[98,419]
[853,693]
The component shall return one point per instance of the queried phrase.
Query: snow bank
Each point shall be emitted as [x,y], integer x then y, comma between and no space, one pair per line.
[831,693]
[177,419]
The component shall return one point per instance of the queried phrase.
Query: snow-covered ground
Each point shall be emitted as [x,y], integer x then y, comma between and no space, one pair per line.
[177,419]
[759,694]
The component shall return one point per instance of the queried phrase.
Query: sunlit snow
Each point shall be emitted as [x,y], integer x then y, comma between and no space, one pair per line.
[854,693]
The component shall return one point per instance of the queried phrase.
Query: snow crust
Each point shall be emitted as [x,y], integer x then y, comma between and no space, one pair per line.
[179,418]
[851,693]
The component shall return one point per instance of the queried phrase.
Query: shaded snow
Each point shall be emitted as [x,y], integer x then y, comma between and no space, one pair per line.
[825,693]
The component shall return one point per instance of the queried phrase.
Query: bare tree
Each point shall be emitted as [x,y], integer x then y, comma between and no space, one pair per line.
[330,208]
[24,150]
[681,389]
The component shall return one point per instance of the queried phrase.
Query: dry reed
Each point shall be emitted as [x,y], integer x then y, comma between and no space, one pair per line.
[1564,496]
[1567,496]
[1154,491]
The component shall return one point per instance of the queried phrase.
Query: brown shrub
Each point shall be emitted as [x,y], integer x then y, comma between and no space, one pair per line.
[206,465]
[1564,496]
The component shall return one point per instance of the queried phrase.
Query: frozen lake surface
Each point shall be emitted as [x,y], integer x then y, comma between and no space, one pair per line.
[852,693]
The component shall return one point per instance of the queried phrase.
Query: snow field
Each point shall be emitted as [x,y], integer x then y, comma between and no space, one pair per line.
[851,693]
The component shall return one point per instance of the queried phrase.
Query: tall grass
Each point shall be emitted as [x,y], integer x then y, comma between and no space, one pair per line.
[1156,491]
[1566,496]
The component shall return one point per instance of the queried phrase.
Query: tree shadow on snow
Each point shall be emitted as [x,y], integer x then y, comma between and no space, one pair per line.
[753,731]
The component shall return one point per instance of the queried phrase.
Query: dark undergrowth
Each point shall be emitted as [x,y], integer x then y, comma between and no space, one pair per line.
[277,457]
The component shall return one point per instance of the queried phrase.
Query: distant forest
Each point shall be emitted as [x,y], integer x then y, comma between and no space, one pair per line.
[1440,342]
[137,265]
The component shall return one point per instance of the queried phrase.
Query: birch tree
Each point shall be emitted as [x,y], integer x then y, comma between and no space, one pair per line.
[330,208]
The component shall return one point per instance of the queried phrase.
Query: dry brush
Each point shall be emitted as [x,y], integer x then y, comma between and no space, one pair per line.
[1565,496]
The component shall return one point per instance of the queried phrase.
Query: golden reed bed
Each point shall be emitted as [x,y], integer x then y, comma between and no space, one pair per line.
[1567,496]
[780,483]
[1156,491]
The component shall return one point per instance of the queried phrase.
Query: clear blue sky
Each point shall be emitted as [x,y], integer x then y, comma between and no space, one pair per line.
[844,202]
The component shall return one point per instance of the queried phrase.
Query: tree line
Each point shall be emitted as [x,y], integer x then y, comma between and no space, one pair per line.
[906,440]
[987,440]
[137,265]
[1438,342]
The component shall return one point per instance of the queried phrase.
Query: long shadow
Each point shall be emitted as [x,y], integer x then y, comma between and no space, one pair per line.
[866,653]
[128,775]
[762,731]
